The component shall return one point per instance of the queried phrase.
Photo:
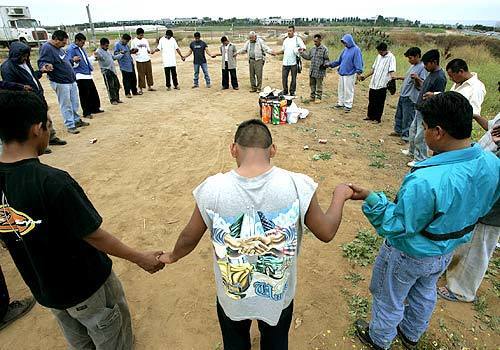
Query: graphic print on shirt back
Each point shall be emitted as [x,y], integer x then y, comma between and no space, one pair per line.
[12,220]
[255,250]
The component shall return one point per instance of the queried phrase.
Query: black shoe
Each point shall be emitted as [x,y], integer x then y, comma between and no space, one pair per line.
[88,116]
[81,123]
[16,310]
[47,151]
[98,111]
[362,331]
[56,141]
[73,131]
[407,343]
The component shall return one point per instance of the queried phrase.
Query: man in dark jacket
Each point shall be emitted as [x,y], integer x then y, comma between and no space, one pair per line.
[17,69]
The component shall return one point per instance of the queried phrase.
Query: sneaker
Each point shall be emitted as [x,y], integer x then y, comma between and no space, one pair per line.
[407,343]
[114,103]
[236,88]
[363,333]
[151,89]
[406,152]
[338,106]
[16,310]
[56,141]
[177,88]
[73,131]
[88,116]
[347,109]
[128,96]
[99,111]
[411,164]
[209,86]
[81,123]
[195,86]
[47,151]
[119,101]
[258,90]
[140,92]
[252,90]
[169,88]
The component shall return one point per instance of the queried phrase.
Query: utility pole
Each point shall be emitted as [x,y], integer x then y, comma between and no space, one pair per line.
[91,24]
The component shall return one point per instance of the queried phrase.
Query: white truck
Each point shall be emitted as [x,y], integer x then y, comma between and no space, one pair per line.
[16,24]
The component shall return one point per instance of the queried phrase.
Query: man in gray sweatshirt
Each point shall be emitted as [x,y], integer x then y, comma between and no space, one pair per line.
[107,64]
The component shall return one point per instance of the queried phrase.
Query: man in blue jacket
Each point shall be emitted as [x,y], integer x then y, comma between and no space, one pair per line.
[350,63]
[17,69]
[437,207]
[89,98]
[62,79]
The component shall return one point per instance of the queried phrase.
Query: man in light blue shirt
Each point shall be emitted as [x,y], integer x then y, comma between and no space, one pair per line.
[437,207]
[405,111]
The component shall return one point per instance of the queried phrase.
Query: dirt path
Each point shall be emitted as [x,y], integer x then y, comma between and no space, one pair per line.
[151,153]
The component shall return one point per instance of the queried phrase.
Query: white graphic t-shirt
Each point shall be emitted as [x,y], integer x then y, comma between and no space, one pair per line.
[142,45]
[256,229]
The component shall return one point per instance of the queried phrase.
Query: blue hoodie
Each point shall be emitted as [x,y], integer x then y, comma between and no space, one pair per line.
[82,67]
[350,59]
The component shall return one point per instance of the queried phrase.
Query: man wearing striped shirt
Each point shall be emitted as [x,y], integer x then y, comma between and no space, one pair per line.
[382,72]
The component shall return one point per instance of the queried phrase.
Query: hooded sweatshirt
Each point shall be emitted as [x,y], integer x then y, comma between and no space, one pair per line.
[14,72]
[350,59]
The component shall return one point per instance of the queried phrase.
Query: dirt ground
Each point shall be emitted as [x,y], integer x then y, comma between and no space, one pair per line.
[153,150]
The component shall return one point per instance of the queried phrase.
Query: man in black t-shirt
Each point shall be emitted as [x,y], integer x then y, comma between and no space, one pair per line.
[54,234]
[198,48]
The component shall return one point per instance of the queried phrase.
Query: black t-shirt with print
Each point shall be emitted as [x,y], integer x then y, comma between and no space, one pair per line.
[198,48]
[44,217]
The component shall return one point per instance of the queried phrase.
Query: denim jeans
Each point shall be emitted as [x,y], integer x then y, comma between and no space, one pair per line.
[204,68]
[405,113]
[418,147]
[397,277]
[102,322]
[68,97]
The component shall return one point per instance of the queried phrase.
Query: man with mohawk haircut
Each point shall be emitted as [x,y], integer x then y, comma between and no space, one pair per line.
[256,216]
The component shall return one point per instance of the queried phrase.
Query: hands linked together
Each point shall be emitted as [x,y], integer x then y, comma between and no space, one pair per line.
[351,191]
[150,262]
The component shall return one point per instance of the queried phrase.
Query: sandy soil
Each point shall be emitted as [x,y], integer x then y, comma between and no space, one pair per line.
[154,149]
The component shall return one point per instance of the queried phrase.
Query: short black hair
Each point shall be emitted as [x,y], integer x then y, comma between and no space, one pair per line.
[317,36]
[126,37]
[169,32]
[291,26]
[104,41]
[59,35]
[451,111]
[381,47]
[223,39]
[197,35]
[80,37]
[20,111]
[253,133]
[139,31]
[413,51]
[431,56]
[457,64]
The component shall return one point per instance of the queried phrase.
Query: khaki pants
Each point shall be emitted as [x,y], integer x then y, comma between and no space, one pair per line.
[316,85]
[470,262]
[256,68]
[102,322]
[145,72]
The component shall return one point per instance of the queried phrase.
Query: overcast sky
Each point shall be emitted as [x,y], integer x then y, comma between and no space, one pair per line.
[55,12]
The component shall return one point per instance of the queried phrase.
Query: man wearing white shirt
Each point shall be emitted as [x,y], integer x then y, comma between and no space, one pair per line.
[468,84]
[382,72]
[292,47]
[89,98]
[140,46]
[168,46]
